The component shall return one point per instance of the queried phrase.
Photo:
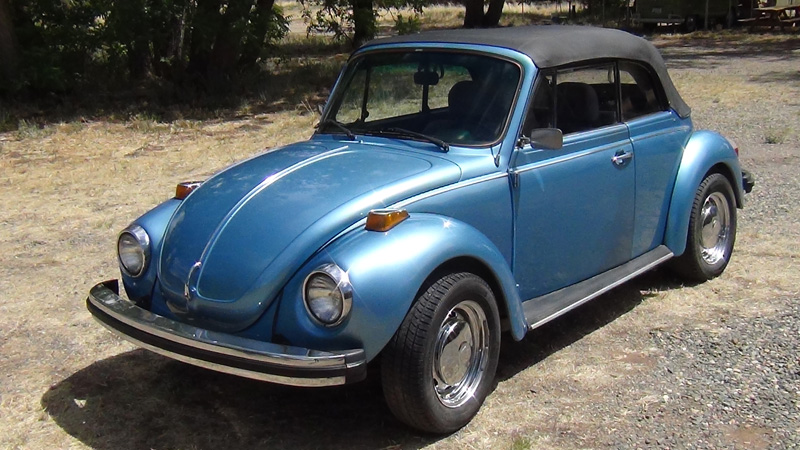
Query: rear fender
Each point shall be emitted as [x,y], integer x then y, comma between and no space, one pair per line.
[706,152]
[387,271]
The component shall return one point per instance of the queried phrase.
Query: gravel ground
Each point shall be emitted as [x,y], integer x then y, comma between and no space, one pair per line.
[743,374]
[735,381]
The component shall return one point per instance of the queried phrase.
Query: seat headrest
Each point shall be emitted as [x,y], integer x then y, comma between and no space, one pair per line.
[577,104]
[462,97]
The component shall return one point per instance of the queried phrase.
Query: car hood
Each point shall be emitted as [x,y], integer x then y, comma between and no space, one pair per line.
[233,243]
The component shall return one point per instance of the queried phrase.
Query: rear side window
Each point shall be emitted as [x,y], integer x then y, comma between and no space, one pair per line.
[586,98]
[640,95]
[574,100]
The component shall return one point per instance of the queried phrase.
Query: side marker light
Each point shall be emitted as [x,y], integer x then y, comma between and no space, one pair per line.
[385,219]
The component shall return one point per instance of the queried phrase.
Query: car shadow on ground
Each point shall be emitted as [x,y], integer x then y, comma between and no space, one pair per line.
[142,400]
[562,332]
[139,400]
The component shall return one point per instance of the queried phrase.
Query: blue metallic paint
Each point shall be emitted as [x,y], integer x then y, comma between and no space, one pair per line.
[386,270]
[658,141]
[704,151]
[573,209]
[461,204]
[238,278]
[154,222]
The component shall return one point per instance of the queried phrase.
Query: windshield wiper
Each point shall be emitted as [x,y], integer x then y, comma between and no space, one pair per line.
[403,132]
[338,125]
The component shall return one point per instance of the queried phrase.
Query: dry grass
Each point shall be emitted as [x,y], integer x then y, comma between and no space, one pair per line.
[67,188]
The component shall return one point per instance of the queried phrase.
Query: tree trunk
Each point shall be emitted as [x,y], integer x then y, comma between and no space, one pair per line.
[473,14]
[363,22]
[492,16]
[204,31]
[228,45]
[252,48]
[8,48]
[177,40]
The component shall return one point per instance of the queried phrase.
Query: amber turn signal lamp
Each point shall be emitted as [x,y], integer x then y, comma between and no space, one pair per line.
[385,219]
[184,189]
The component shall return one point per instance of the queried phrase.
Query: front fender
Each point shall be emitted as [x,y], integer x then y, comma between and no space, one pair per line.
[386,271]
[705,152]
[155,223]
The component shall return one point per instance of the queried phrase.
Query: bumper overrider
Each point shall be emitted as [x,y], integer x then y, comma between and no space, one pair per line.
[223,352]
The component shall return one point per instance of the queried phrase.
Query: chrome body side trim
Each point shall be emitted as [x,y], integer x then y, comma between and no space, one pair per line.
[409,201]
[448,188]
[541,310]
[266,361]
[556,160]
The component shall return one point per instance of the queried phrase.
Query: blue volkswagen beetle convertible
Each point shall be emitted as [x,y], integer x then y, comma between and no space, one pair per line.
[459,184]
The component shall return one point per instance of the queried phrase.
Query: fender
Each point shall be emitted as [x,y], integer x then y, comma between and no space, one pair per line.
[386,271]
[705,152]
[155,223]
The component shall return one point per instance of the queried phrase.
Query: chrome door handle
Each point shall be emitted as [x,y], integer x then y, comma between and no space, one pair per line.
[621,158]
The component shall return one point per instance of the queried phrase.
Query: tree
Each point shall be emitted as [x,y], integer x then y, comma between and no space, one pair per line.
[351,19]
[8,47]
[475,17]
[345,19]
[363,21]
[57,46]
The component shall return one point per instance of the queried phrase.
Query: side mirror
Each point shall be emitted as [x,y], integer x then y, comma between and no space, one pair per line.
[547,138]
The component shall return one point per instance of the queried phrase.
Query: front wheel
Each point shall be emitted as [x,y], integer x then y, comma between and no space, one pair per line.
[439,366]
[712,231]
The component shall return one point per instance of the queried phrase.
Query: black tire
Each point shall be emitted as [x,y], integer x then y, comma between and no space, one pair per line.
[712,231]
[456,313]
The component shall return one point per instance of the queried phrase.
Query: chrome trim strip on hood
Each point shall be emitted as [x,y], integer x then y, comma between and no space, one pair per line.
[261,186]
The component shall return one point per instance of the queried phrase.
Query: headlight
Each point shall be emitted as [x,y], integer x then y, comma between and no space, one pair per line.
[328,295]
[133,250]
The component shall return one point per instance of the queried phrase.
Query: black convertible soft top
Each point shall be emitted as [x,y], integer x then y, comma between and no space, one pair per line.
[557,45]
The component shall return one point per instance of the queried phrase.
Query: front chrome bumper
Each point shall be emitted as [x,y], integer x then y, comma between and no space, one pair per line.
[223,352]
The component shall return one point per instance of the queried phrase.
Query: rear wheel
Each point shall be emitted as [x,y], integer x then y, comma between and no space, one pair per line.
[439,366]
[712,231]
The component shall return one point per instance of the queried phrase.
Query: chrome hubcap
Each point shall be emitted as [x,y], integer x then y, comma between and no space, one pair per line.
[716,226]
[460,354]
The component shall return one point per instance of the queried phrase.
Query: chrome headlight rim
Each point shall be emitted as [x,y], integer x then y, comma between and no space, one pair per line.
[342,281]
[140,235]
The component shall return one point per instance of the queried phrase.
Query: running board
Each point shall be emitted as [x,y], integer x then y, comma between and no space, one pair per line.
[540,310]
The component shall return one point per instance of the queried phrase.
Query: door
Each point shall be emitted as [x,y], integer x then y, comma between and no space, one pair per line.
[573,206]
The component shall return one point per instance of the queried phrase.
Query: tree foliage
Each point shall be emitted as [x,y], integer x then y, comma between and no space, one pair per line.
[354,19]
[63,45]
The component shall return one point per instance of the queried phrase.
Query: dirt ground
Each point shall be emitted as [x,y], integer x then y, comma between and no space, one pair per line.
[652,364]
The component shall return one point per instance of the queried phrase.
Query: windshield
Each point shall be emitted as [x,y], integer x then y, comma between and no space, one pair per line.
[458,98]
